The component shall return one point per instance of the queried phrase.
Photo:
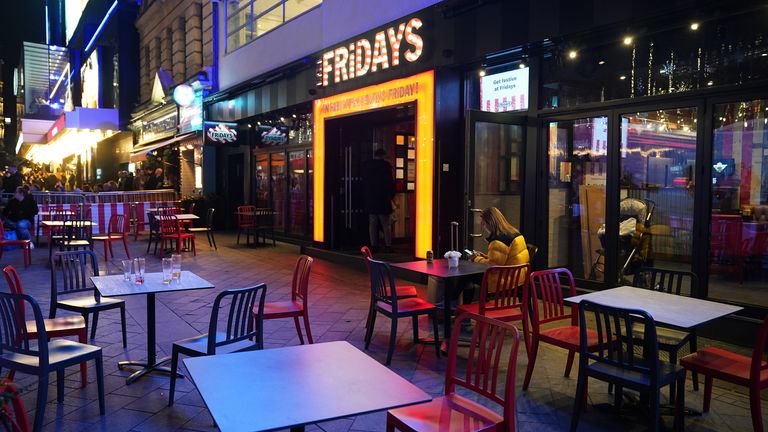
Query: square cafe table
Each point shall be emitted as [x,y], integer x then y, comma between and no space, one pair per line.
[670,309]
[295,386]
[439,269]
[115,285]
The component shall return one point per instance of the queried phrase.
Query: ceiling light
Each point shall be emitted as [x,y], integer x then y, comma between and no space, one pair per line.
[694,26]
[481,73]
[601,62]
[623,77]
[521,65]
[572,54]
[627,40]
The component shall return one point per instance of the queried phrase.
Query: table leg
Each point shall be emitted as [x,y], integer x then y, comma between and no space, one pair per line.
[297,428]
[447,284]
[152,364]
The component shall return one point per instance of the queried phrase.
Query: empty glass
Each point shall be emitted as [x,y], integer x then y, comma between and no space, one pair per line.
[127,269]
[176,262]
[167,270]
[139,266]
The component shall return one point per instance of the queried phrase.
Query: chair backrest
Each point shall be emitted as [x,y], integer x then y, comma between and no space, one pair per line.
[169,224]
[117,224]
[2,230]
[167,210]
[669,281]
[547,289]
[382,282]
[366,254]
[13,280]
[240,323]
[209,218]
[78,229]
[532,250]
[191,208]
[504,283]
[616,337]
[14,335]
[486,357]
[76,268]
[246,215]
[300,285]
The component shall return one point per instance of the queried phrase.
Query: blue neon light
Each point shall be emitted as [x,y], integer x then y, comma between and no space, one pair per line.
[47,26]
[101,26]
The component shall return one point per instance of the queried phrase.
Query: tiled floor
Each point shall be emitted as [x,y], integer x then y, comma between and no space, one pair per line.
[339,300]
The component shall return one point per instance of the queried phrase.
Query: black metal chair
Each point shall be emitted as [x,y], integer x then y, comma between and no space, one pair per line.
[78,234]
[242,333]
[155,233]
[386,302]
[17,354]
[615,359]
[207,229]
[265,224]
[671,340]
[75,274]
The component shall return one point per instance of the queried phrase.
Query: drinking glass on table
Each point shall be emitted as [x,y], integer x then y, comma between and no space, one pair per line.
[176,263]
[127,269]
[139,266]
[167,270]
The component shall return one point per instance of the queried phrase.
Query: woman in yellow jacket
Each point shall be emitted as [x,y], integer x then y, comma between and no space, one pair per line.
[506,245]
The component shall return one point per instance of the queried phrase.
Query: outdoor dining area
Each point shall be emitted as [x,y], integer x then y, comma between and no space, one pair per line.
[174,336]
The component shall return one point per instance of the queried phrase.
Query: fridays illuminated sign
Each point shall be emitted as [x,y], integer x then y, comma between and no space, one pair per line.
[221,132]
[365,56]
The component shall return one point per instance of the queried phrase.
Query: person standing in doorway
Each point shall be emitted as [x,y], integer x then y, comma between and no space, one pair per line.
[379,189]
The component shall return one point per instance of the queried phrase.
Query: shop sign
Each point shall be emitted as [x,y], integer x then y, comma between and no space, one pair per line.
[157,128]
[191,114]
[222,133]
[366,56]
[505,91]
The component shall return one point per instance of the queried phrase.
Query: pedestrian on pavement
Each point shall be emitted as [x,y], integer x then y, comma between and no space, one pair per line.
[379,189]
[13,180]
[19,213]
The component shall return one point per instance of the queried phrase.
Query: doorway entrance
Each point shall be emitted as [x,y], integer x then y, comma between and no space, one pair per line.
[351,143]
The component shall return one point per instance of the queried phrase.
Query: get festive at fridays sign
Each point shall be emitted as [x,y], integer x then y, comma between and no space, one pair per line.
[364,56]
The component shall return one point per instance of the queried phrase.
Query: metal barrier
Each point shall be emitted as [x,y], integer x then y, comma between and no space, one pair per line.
[101,197]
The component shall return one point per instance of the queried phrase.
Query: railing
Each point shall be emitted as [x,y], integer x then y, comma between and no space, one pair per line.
[101,197]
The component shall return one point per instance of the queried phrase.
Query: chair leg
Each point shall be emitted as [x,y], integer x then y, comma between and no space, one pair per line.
[122,322]
[673,384]
[298,329]
[106,250]
[581,394]
[707,392]
[60,385]
[436,331]
[194,247]
[680,406]
[213,238]
[755,408]
[655,409]
[569,363]
[693,344]
[82,337]
[531,362]
[100,382]
[42,397]
[174,368]
[369,332]
[94,323]
[371,311]
[125,245]
[238,236]
[306,328]
[392,340]
[415,321]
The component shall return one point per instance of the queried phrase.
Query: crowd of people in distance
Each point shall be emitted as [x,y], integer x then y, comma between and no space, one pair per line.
[37,179]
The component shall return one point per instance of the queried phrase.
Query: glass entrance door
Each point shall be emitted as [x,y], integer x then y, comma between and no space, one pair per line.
[494,179]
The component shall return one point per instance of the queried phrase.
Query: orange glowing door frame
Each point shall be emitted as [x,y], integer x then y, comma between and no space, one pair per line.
[417,88]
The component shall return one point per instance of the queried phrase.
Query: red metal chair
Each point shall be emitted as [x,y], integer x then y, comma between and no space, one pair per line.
[14,412]
[54,327]
[246,221]
[403,292]
[545,297]
[26,249]
[297,307]
[750,372]
[170,230]
[117,229]
[484,366]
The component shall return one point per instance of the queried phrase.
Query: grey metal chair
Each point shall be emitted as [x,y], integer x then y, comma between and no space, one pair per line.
[17,354]
[242,333]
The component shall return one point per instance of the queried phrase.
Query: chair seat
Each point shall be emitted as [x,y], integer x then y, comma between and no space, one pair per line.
[59,351]
[568,337]
[109,237]
[281,309]
[511,313]
[199,344]
[668,373]
[61,325]
[724,365]
[89,302]
[446,414]
[408,305]
[404,292]
[666,336]
[202,229]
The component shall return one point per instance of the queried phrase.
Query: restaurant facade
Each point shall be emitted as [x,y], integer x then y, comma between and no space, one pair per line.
[569,118]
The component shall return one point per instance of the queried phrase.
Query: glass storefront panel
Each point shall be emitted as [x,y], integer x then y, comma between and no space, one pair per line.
[262,180]
[297,193]
[738,261]
[658,154]
[577,180]
[277,162]
[311,193]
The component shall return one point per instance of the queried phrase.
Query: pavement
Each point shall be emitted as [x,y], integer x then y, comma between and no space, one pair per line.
[338,298]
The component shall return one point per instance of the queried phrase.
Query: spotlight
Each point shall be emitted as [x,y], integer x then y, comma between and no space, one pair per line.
[521,65]
[572,54]
[628,40]
[601,62]
[482,72]
[694,26]
[623,77]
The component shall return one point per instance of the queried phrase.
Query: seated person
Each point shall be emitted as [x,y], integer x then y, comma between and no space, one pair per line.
[19,213]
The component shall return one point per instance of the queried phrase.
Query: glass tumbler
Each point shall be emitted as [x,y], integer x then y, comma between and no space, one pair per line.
[176,262]
[127,269]
[167,270]
[139,266]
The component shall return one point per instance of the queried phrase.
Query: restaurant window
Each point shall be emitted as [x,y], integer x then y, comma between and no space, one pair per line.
[262,180]
[249,19]
[656,207]
[738,261]
[297,193]
[672,59]
[278,167]
[577,180]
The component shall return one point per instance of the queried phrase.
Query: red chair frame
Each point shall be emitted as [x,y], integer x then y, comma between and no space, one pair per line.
[170,229]
[26,249]
[246,221]
[114,233]
[18,418]
[298,306]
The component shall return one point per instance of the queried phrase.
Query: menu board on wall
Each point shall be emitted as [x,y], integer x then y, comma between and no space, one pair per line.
[504,91]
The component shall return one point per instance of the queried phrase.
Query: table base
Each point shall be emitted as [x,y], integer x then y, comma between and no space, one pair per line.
[147,368]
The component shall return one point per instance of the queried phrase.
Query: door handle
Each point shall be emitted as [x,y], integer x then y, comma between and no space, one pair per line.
[476,235]
[474,210]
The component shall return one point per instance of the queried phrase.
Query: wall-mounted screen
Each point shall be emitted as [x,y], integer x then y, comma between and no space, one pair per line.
[504,91]
[89,74]
[73,10]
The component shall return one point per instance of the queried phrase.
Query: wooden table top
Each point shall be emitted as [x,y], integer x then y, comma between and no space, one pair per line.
[115,285]
[675,310]
[439,268]
[298,385]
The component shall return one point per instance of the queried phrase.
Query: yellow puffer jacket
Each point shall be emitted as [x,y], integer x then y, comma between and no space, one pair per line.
[501,254]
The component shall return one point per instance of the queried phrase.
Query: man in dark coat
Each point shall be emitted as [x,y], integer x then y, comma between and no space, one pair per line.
[19,213]
[379,188]
[14,180]
[155,181]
